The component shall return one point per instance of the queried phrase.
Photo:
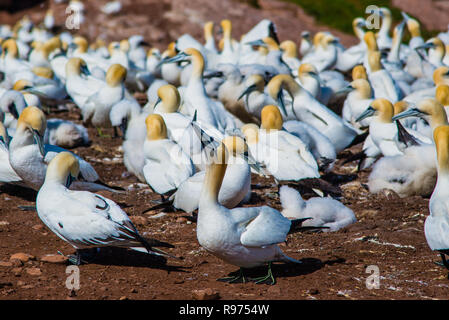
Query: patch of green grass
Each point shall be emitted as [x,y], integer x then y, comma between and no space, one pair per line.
[339,14]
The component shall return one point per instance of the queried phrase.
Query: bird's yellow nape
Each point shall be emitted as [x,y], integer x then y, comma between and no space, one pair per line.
[384,108]
[436,111]
[442,94]
[156,128]
[271,118]
[74,65]
[363,88]
[441,138]
[22,84]
[208,30]
[290,49]
[235,144]
[441,76]
[10,49]
[370,40]
[307,68]
[374,61]
[63,164]
[81,44]
[359,72]
[43,72]
[116,75]
[170,98]
[251,133]
[32,118]
[400,106]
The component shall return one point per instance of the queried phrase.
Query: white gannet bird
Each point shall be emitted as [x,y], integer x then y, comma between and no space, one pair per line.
[130,118]
[254,96]
[310,80]
[384,86]
[244,237]
[98,106]
[65,134]
[166,164]
[111,7]
[12,103]
[307,109]
[326,212]
[436,224]
[229,54]
[49,20]
[209,39]
[284,155]
[236,186]
[29,156]
[389,137]
[383,36]
[357,101]
[195,98]
[290,55]
[319,145]
[10,62]
[325,53]
[306,44]
[440,76]
[79,85]
[7,173]
[84,219]
[137,54]
[352,56]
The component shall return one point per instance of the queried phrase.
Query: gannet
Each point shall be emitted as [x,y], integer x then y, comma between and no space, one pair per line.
[236,184]
[85,219]
[245,237]
[325,212]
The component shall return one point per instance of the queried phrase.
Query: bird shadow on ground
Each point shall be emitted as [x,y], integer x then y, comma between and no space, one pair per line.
[129,258]
[287,270]
[18,191]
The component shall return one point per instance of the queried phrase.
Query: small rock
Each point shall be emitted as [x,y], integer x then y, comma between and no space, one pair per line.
[24,257]
[4,223]
[274,290]
[314,291]
[205,294]
[133,290]
[181,220]
[5,264]
[37,227]
[139,220]
[34,271]
[54,258]
[123,298]
[16,263]
[159,215]
[17,271]
[389,194]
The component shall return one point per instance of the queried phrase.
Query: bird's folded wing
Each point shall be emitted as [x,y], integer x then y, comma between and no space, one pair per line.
[267,228]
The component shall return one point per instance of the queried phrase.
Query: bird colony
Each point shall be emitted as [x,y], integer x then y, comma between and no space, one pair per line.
[220,111]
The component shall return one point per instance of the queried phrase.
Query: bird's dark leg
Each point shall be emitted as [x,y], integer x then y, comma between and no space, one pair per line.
[268,279]
[82,256]
[444,261]
[240,278]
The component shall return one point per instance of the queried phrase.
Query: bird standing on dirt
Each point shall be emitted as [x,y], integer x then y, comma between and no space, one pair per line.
[84,219]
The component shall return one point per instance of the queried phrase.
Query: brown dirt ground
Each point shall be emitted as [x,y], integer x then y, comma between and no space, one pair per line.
[389,234]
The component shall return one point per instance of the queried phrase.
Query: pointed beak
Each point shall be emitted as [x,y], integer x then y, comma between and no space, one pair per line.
[412,112]
[247,91]
[425,46]
[281,102]
[257,43]
[180,57]
[85,70]
[346,89]
[367,113]
[124,126]
[39,141]
[254,164]
[405,16]
[212,74]
[157,102]
[69,181]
